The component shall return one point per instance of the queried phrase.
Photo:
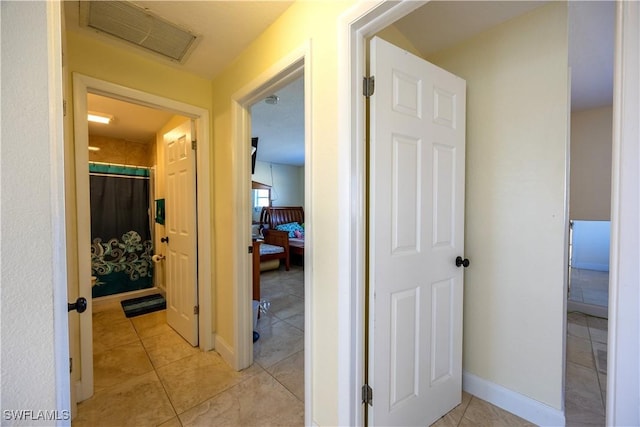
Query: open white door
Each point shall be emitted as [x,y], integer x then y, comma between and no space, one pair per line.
[180,222]
[416,220]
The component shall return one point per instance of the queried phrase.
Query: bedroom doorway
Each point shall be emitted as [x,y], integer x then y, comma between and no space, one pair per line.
[277,201]
[286,84]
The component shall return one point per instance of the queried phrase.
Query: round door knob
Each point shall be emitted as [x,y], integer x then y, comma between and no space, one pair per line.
[80,305]
[164,239]
[462,262]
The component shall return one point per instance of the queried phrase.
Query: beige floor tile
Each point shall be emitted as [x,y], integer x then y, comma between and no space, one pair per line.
[481,413]
[600,356]
[290,373]
[260,400]
[192,380]
[453,417]
[109,335]
[286,306]
[173,422]
[140,401]
[117,364]
[151,324]
[577,325]
[579,351]
[167,348]
[276,343]
[582,388]
[108,312]
[578,416]
[598,329]
[297,321]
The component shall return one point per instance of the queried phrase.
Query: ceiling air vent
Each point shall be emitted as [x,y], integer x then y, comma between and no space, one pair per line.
[130,23]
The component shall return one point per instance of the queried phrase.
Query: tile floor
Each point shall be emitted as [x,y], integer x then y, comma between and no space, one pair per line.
[146,375]
[589,287]
[586,373]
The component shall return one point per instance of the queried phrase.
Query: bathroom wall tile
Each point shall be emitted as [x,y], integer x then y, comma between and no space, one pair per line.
[116,365]
[192,380]
[139,401]
[112,334]
[168,347]
[579,351]
[290,373]
[151,324]
[260,400]
[276,343]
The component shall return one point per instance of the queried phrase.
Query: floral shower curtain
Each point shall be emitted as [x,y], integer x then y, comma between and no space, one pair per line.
[121,246]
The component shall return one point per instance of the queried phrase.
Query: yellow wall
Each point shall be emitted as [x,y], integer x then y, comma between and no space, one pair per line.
[317,22]
[517,111]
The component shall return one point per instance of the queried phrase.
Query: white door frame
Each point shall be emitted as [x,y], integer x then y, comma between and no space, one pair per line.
[286,70]
[363,20]
[82,85]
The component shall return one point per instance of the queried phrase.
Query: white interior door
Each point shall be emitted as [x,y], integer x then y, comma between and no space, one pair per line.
[180,224]
[417,153]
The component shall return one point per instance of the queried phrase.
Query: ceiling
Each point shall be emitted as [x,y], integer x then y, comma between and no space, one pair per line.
[224,28]
[432,27]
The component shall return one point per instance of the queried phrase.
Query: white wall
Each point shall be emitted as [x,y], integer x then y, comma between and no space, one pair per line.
[287,186]
[33,274]
[590,187]
[517,113]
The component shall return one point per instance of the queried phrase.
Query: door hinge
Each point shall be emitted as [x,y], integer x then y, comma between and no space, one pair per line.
[64,108]
[368,86]
[194,145]
[367,395]
[250,249]
[196,309]
[70,364]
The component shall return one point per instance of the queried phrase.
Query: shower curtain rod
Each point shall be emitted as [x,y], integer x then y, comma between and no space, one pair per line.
[121,165]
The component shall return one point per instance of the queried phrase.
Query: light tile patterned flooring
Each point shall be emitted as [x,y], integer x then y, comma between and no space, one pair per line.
[586,381]
[145,374]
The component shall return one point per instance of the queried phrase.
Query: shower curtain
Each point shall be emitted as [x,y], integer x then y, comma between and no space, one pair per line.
[121,246]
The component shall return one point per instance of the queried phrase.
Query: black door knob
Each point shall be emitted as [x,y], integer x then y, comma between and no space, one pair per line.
[80,305]
[462,262]
[164,239]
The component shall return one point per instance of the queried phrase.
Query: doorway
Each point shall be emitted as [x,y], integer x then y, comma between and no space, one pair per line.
[278,135]
[488,226]
[83,86]
[289,69]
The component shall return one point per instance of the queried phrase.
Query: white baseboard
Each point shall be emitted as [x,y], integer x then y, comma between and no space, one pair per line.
[224,350]
[516,403]
[107,300]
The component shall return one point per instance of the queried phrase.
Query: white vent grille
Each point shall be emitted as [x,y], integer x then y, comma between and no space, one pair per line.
[128,22]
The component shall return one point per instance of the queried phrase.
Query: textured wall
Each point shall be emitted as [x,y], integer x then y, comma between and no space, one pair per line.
[30,258]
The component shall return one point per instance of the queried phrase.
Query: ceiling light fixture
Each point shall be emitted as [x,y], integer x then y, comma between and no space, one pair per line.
[99,118]
[272,99]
